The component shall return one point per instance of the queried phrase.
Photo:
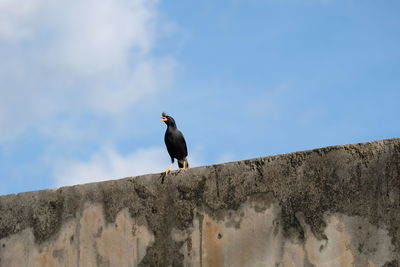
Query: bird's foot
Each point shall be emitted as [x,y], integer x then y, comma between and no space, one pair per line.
[167,171]
[182,169]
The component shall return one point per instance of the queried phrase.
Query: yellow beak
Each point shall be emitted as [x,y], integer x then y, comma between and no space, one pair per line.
[163,118]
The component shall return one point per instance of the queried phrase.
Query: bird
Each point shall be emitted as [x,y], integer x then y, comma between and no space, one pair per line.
[175,142]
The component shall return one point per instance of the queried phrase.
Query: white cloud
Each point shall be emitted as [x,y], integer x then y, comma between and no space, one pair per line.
[109,164]
[97,35]
[73,72]
[15,18]
[76,57]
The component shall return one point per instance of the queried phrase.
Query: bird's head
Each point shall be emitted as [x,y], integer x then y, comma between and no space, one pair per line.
[167,119]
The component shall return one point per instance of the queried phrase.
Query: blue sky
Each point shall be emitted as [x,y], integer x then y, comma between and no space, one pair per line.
[83,83]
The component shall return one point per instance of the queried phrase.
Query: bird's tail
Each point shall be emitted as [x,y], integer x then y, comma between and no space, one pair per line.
[181,163]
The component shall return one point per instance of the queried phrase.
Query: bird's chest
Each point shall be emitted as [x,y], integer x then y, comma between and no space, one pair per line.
[171,137]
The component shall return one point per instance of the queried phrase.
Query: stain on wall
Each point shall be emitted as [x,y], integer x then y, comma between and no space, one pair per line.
[87,241]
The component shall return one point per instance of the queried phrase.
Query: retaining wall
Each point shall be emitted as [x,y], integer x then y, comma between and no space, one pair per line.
[333,206]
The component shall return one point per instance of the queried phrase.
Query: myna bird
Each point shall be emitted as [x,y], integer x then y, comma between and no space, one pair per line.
[175,142]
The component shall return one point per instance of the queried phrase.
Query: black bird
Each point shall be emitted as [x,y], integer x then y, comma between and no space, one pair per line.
[175,142]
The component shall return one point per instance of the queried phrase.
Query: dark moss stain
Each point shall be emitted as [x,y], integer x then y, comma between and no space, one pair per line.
[99,232]
[393,263]
[355,180]
[59,255]
[102,261]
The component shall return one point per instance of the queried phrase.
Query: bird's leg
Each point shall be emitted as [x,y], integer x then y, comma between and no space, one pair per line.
[169,169]
[185,164]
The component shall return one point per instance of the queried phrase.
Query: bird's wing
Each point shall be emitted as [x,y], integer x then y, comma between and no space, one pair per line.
[182,142]
[176,144]
[170,148]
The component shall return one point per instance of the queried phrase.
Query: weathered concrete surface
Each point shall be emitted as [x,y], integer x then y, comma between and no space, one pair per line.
[334,206]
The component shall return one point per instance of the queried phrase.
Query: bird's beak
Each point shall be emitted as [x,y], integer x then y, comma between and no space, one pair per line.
[164,118]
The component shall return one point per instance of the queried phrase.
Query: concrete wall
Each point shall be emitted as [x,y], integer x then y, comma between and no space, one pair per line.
[334,206]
